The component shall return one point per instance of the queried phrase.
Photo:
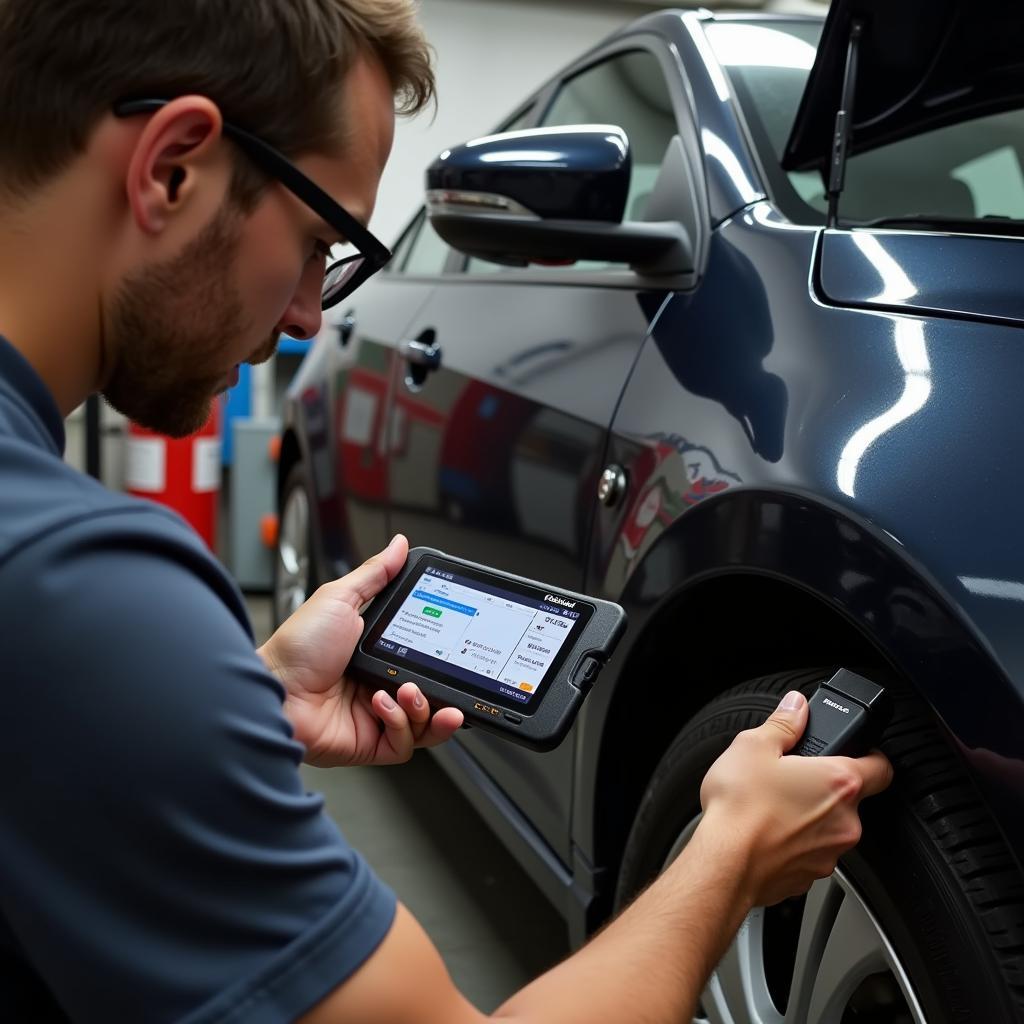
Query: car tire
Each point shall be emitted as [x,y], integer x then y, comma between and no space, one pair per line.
[922,922]
[295,575]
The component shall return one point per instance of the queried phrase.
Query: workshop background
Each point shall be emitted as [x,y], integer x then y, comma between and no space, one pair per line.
[493,927]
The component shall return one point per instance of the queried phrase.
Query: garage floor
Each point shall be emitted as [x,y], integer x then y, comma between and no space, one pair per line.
[493,927]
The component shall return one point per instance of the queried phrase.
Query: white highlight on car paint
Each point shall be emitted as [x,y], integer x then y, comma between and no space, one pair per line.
[767,216]
[912,354]
[715,149]
[616,141]
[538,156]
[530,134]
[917,387]
[739,45]
[896,286]
[711,62]
[1010,590]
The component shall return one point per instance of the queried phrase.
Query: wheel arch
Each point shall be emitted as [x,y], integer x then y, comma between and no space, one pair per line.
[772,582]
[294,452]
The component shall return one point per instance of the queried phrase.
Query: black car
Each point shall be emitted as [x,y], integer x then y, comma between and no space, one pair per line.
[683,338]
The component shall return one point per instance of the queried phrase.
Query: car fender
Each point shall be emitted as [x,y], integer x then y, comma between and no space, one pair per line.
[844,574]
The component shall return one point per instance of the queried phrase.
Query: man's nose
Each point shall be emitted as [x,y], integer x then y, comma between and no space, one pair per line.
[304,314]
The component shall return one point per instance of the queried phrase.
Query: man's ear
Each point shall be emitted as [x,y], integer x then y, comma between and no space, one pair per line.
[176,150]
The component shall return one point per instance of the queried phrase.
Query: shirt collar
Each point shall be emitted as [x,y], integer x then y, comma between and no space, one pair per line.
[25,387]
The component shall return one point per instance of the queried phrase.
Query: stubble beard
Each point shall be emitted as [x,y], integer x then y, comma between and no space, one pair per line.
[169,327]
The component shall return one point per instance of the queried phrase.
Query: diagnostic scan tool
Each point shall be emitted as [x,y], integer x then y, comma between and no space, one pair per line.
[516,656]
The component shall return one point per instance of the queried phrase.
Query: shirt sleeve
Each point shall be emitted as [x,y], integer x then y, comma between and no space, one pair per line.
[162,859]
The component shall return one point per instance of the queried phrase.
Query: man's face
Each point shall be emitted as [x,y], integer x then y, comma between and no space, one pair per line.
[182,326]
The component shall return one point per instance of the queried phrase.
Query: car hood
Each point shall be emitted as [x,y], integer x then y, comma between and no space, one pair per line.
[923,64]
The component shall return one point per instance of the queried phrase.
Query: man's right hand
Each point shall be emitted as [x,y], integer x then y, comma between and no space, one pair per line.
[792,817]
[772,825]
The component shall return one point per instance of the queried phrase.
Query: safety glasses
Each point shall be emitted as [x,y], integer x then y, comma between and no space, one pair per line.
[342,277]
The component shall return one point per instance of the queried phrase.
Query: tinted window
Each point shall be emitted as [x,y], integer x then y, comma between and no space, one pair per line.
[400,250]
[969,170]
[429,253]
[520,121]
[517,122]
[629,91]
[421,250]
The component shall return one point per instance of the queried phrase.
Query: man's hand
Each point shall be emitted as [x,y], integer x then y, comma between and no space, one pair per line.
[794,816]
[340,721]
[771,825]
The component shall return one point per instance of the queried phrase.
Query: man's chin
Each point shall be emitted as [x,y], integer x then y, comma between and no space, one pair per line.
[180,420]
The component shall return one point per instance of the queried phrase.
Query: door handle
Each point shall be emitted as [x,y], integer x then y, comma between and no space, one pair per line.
[346,328]
[423,356]
[421,353]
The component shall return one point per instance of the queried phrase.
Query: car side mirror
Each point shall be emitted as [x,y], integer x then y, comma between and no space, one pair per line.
[550,195]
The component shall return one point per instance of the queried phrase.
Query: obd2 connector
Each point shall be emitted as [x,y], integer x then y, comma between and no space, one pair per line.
[847,716]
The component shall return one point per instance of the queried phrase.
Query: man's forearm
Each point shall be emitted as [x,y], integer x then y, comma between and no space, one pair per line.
[651,964]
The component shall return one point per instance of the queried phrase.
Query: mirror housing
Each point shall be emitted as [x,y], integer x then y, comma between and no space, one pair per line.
[549,195]
[575,173]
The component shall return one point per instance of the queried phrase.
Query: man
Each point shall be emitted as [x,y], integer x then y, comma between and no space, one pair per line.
[161,859]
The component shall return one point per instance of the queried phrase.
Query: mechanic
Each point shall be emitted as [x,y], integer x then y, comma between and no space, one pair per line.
[162,859]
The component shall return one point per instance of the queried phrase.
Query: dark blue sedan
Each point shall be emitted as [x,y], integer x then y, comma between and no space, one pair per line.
[726,326]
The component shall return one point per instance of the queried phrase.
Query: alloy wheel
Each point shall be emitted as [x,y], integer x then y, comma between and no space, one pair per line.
[819,959]
[293,554]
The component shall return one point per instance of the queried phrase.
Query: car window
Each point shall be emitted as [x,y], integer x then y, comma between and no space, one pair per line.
[967,171]
[400,250]
[628,90]
[420,251]
[428,253]
[520,120]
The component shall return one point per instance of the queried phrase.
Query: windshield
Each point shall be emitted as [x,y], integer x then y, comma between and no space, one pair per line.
[967,172]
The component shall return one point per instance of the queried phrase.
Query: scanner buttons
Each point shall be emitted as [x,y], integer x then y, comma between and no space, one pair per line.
[586,672]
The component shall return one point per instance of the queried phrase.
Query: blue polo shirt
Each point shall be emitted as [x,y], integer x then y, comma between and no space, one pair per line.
[160,859]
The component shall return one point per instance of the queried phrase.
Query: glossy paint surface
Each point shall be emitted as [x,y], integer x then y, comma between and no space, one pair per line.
[834,414]
[580,174]
[733,181]
[867,457]
[928,271]
[496,456]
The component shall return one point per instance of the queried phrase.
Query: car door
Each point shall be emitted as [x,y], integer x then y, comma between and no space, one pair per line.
[365,334]
[504,389]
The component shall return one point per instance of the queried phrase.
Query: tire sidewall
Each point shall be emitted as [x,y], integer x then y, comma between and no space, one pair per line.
[899,869]
[295,480]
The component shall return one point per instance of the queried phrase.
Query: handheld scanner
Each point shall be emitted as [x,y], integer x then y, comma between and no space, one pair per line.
[517,656]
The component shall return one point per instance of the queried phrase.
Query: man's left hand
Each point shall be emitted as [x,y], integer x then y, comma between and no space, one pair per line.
[340,721]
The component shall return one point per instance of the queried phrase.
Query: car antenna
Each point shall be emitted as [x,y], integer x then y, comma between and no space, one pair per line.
[844,124]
